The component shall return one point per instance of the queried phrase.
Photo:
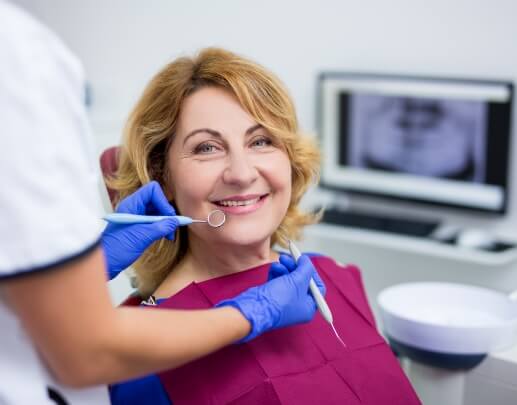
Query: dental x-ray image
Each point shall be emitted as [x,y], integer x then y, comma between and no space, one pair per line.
[418,136]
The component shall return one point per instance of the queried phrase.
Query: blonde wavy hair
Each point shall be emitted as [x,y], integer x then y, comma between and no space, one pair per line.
[152,125]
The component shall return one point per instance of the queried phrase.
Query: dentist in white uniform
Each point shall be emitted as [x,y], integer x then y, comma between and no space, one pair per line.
[61,340]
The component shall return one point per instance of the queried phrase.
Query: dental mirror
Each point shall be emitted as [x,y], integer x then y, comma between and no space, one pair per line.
[215,219]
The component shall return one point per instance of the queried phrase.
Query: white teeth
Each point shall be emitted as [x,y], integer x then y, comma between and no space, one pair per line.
[233,203]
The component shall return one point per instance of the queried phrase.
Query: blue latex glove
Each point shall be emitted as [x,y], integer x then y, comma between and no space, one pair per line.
[287,265]
[283,301]
[124,244]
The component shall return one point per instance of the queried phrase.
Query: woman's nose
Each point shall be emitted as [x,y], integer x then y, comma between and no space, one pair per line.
[240,170]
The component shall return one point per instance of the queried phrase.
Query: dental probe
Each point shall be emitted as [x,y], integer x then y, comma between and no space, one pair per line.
[316,293]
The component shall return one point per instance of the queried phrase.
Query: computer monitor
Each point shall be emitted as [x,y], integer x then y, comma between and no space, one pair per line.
[430,140]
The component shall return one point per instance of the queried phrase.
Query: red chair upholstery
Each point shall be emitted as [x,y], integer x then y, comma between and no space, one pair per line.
[109,165]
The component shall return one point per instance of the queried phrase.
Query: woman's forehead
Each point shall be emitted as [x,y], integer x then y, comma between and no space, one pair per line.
[213,108]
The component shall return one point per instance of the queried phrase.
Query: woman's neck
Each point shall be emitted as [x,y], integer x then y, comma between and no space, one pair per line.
[205,261]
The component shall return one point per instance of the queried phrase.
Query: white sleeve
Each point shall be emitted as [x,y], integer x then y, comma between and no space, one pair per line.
[49,202]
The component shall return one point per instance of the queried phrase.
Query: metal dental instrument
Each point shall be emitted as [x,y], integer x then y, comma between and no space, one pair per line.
[316,293]
[215,218]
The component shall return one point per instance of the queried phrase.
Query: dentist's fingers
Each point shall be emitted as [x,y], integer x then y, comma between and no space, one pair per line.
[165,228]
[157,203]
[319,282]
[276,270]
[149,199]
[288,261]
[290,264]
[303,272]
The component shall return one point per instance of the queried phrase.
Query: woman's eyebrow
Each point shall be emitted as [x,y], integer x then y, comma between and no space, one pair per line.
[217,134]
[196,131]
[252,129]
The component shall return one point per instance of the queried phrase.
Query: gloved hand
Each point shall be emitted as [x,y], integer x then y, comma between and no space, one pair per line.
[124,244]
[287,265]
[283,301]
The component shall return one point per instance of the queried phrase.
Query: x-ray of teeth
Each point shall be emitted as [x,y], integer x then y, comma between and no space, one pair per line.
[419,136]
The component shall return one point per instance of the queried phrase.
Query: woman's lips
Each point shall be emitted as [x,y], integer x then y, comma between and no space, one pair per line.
[243,209]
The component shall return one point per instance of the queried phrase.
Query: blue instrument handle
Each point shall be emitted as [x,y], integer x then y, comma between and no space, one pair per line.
[128,219]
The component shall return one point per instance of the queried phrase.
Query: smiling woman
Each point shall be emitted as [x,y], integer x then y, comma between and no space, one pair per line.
[219,132]
[239,167]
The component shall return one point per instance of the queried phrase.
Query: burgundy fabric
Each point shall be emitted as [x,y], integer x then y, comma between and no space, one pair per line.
[134,300]
[109,165]
[303,364]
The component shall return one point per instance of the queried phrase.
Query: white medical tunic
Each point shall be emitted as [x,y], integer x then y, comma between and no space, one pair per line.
[49,203]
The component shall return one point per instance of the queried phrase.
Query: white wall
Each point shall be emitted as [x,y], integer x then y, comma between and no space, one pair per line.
[124,42]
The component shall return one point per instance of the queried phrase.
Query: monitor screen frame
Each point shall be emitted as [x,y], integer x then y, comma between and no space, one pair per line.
[325,112]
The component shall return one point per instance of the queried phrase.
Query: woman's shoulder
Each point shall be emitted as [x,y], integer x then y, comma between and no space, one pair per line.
[347,279]
[133,300]
[329,264]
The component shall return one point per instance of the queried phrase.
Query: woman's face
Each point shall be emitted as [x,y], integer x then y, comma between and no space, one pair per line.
[222,159]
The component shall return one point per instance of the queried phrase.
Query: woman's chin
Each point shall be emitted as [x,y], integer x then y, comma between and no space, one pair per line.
[244,238]
[243,232]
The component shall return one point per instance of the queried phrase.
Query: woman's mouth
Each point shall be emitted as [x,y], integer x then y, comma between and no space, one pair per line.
[241,204]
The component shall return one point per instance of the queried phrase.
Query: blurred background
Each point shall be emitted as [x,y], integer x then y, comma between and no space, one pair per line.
[123,43]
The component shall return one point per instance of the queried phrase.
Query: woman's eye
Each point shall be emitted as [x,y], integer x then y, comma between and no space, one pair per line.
[261,142]
[205,148]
